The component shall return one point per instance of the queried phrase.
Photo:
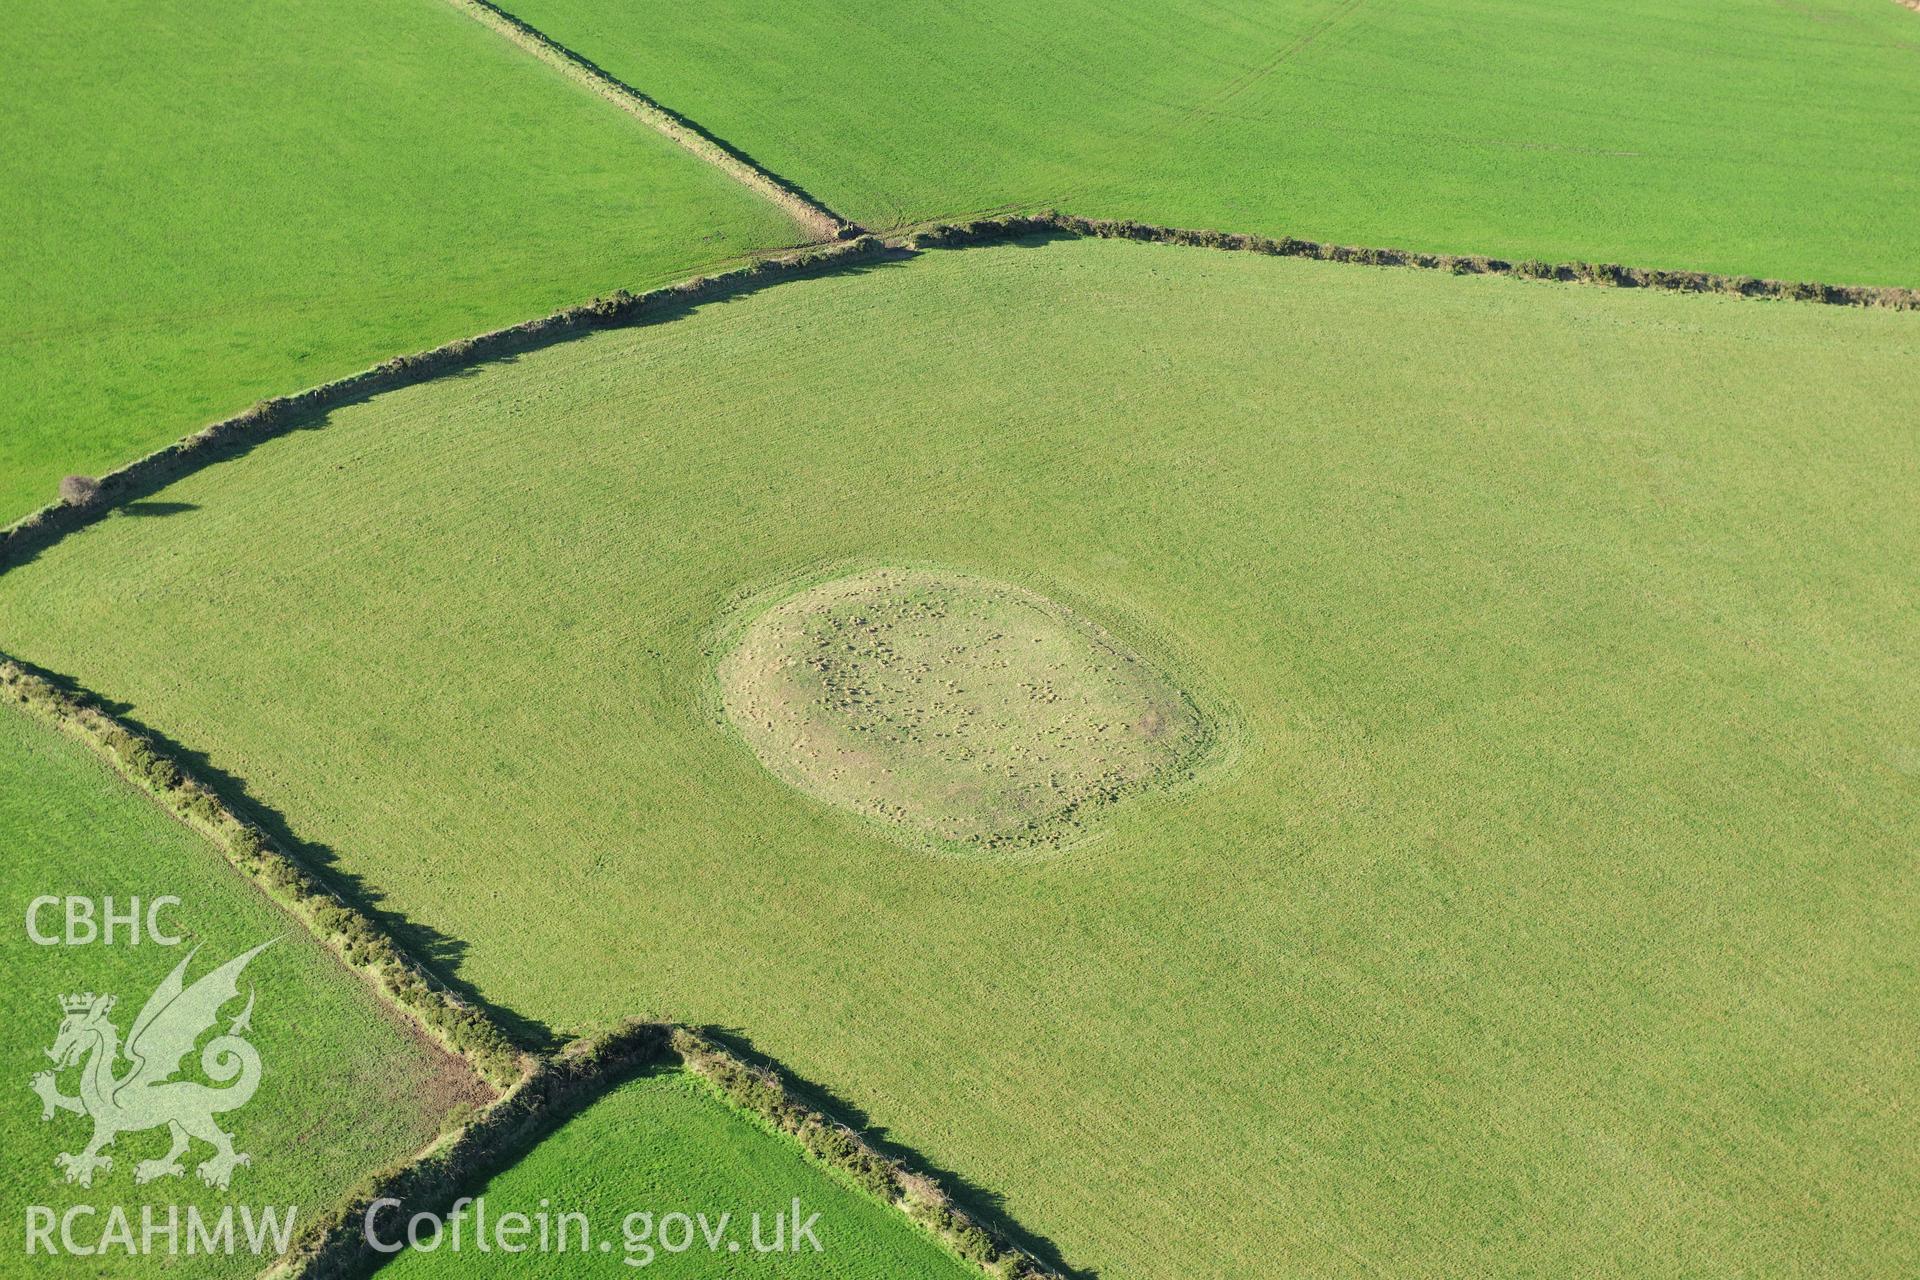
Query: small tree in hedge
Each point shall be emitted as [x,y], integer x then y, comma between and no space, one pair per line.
[79,491]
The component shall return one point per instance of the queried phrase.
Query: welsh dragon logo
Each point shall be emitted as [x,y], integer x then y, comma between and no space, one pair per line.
[145,1095]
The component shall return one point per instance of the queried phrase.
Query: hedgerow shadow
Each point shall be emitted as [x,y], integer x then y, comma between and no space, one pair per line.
[151,510]
[693,127]
[986,1206]
[440,955]
[127,489]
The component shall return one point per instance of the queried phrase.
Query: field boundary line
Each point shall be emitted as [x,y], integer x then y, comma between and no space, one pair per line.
[561,1085]
[533,1092]
[765,1090]
[1613,275]
[554,1088]
[232,436]
[821,222]
[402,983]
[535,1088]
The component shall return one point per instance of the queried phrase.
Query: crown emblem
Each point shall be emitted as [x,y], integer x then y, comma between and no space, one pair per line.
[77,1004]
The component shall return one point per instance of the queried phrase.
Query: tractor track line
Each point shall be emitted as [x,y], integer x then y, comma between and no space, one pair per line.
[1247,79]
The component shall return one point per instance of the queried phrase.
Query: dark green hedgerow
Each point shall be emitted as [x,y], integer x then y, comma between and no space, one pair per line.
[465,1030]
[83,503]
[275,416]
[763,1092]
[335,1244]
[538,1092]
[995,230]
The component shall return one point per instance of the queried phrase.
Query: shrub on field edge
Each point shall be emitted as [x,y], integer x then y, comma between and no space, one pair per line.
[79,491]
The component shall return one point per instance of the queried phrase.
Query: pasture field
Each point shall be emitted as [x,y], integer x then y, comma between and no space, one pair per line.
[665,1144]
[345,1088]
[1552,915]
[1738,136]
[211,203]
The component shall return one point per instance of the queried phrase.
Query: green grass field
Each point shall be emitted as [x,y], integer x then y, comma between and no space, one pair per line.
[666,1144]
[1553,918]
[210,204]
[1740,136]
[344,1087]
